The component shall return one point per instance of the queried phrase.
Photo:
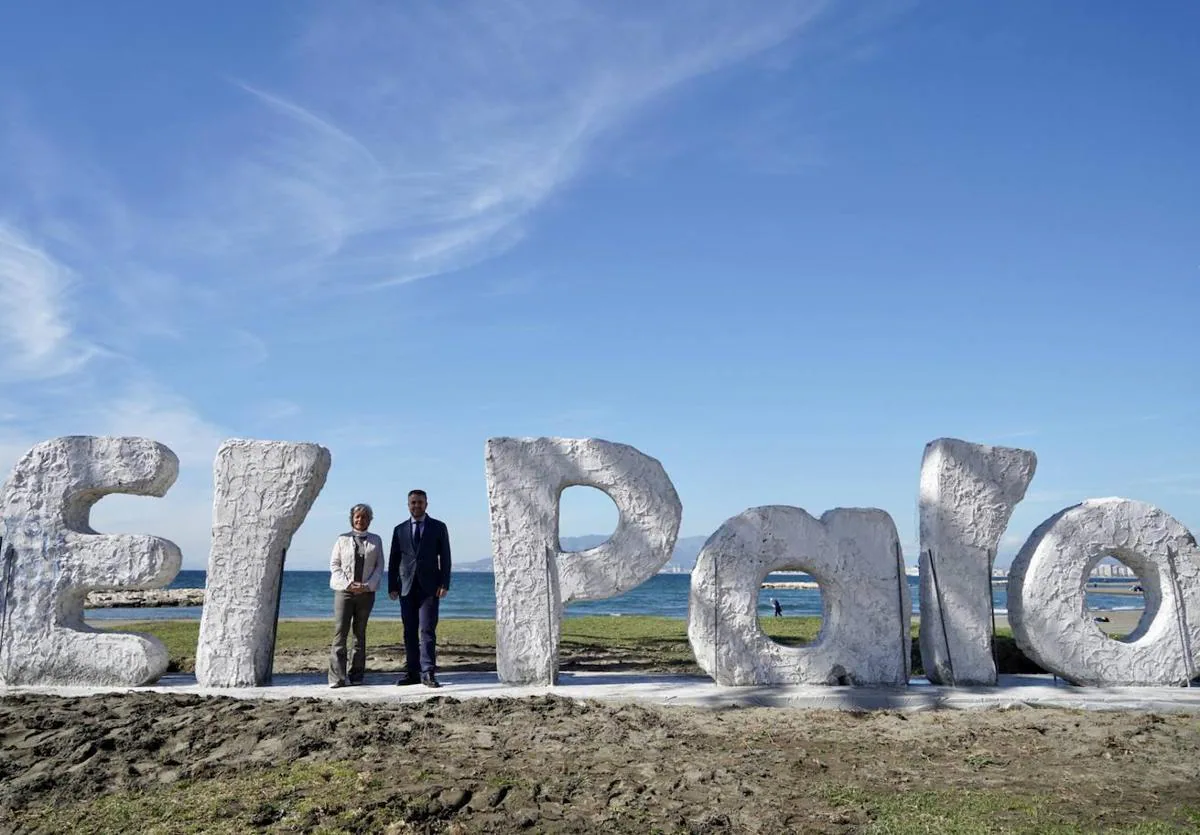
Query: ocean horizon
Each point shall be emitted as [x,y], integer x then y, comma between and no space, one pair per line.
[306,594]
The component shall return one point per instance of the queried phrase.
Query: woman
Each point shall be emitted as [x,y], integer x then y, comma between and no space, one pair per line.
[355,569]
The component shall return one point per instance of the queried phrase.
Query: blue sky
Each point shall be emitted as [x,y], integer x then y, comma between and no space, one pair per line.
[778,246]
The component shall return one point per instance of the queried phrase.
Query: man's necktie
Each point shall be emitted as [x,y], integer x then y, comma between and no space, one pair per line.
[416,535]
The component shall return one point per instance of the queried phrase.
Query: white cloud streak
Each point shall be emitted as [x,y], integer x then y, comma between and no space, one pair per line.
[145,410]
[414,139]
[37,340]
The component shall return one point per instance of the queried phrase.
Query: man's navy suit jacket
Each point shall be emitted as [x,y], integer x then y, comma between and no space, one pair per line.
[428,565]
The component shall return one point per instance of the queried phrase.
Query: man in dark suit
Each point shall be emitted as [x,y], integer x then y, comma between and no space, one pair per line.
[419,576]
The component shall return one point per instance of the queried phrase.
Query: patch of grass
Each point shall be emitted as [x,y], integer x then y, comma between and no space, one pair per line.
[337,797]
[179,636]
[972,811]
[627,630]
[790,631]
[292,797]
[663,638]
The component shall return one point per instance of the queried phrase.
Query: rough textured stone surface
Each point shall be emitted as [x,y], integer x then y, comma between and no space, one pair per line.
[52,559]
[968,493]
[853,553]
[1046,597]
[535,578]
[262,490]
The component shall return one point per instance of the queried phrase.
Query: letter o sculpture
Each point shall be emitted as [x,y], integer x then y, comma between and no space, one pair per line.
[1047,596]
[854,554]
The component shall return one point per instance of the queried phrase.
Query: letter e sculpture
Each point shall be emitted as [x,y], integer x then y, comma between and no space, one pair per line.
[52,559]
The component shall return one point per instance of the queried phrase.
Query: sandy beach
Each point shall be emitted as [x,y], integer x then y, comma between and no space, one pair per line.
[1120,622]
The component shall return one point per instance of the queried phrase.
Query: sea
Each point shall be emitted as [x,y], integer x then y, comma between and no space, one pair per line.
[306,594]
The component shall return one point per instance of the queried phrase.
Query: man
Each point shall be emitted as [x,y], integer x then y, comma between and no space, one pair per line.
[419,576]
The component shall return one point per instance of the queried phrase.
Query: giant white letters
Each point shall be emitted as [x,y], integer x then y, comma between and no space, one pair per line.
[52,558]
[853,553]
[534,577]
[262,490]
[1046,595]
[968,493]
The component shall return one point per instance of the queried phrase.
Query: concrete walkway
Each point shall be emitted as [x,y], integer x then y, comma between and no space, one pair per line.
[692,691]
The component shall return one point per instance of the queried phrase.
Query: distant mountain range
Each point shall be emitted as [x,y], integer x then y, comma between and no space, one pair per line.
[684,556]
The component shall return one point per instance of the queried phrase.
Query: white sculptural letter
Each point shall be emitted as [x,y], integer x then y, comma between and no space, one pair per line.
[534,577]
[52,559]
[262,490]
[968,493]
[855,556]
[1047,588]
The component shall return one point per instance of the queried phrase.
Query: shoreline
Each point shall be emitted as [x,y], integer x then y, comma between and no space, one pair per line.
[1120,621]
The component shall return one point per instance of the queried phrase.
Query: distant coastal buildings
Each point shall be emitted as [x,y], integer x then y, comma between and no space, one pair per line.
[1114,569]
[1106,569]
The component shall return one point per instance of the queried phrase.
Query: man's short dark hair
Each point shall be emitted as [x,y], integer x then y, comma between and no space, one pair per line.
[420,493]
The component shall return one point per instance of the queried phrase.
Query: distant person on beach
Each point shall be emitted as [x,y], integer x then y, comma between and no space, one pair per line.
[778,608]
[355,572]
[419,576]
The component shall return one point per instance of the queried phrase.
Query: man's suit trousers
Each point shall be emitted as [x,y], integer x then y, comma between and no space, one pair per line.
[419,611]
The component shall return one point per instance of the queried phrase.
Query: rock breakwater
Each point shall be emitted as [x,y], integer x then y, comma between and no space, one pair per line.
[144,598]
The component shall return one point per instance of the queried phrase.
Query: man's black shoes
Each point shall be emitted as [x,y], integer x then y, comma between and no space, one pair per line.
[428,679]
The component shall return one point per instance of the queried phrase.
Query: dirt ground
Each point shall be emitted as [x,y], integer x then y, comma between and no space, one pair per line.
[648,657]
[548,764]
[154,762]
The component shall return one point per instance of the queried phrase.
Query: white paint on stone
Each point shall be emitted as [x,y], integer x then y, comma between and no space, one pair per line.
[1047,598]
[968,493]
[262,490]
[51,559]
[535,578]
[854,554]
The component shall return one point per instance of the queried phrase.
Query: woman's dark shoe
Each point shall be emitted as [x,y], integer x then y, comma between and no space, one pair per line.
[411,678]
[429,680]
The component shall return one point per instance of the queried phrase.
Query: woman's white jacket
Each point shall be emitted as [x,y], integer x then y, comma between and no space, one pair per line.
[341,562]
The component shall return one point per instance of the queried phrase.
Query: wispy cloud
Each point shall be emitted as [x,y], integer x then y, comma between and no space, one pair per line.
[147,410]
[142,409]
[139,409]
[251,348]
[276,410]
[389,143]
[1173,479]
[37,339]
[1019,433]
[514,286]
[1059,497]
[408,140]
